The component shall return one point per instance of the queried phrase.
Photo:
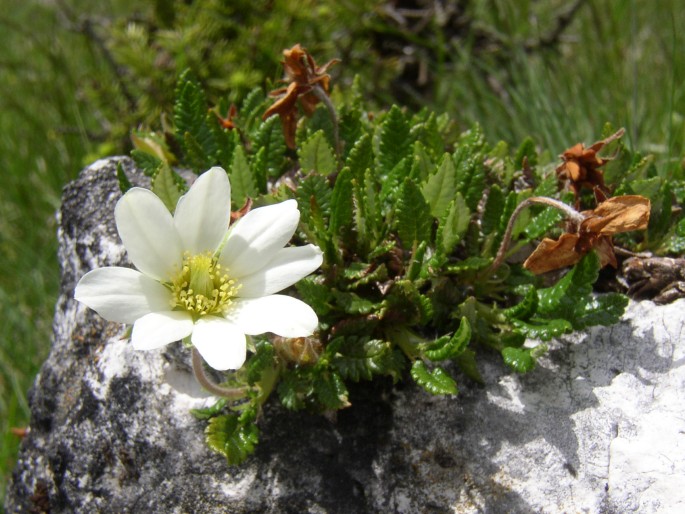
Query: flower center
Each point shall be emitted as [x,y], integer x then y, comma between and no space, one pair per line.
[202,286]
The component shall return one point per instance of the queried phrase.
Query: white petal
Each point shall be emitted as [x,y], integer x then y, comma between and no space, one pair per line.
[255,238]
[282,315]
[203,213]
[287,267]
[220,342]
[121,294]
[156,329]
[147,230]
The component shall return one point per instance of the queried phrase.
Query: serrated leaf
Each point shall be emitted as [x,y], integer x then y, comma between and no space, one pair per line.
[492,212]
[394,142]
[453,227]
[525,308]
[195,155]
[574,288]
[448,347]
[360,157]
[190,117]
[295,388]
[242,181]
[147,162]
[342,206]
[390,185]
[359,358]
[316,155]
[526,149]
[233,436]
[518,359]
[440,188]
[330,390]
[413,221]
[124,182]
[544,329]
[422,163]
[210,412]
[269,140]
[261,360]
[166,187]
[315,293]
[352,303]
[313,188]
[605,310]
[467,363]
[542,222]
[435,382]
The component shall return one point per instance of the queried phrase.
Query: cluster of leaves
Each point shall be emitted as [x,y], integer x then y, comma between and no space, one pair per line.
[409,216]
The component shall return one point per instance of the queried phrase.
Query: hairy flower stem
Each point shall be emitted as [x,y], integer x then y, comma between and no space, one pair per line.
[323,97]
[210,385]
[573,216]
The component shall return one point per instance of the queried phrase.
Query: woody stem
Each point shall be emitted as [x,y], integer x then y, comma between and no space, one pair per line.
[210,385]
[323,97]
[573,216]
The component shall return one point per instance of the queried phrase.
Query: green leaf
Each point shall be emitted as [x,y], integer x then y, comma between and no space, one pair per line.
[422,164]
[467,363]
[440,188]
[435,382]
[448,347]
[295,388]
[394,142]
[330,390]
[359,358]
[562,299]
[518,359]
[316,155]
[124,182]
[453,227]
[413,222]
[342,205]
[605,310]
[493,210]
[316,187]
[148,163]
[352,303]
[542,222]
[232,435]
[360,157]
[166,186]
[210,412]
[314,292]
[269,140]
[544,329]
[195,155]
[242,181]
[527,150]
[190,118]
[262,359]
[525,308]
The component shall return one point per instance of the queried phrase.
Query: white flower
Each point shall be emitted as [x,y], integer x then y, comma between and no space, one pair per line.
[199,278]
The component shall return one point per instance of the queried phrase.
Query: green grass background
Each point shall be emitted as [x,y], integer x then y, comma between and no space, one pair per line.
[617,61]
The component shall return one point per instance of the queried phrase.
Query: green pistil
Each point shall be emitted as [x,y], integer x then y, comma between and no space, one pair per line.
[202,287]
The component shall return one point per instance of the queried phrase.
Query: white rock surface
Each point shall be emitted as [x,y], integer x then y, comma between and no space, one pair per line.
[599,426]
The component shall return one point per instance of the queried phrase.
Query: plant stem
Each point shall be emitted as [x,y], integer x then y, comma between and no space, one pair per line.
[573,216]
[210,385]
[323,97]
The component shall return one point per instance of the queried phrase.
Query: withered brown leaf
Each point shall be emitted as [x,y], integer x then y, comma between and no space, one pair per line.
[580,167]
[302,76]
[615,215]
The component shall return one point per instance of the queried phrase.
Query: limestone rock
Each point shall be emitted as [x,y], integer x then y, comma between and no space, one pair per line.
[597,427]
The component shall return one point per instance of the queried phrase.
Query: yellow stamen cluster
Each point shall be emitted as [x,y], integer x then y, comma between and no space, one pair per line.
[202,287]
